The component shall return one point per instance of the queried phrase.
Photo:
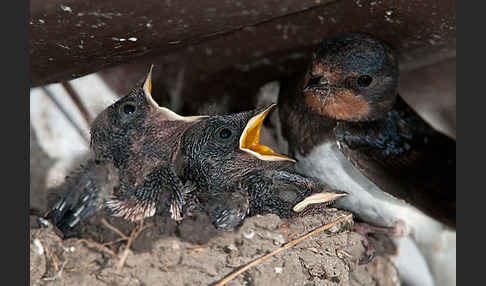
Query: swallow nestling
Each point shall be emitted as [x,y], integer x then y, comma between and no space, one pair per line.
[134,143]
[236,176]
[346,124]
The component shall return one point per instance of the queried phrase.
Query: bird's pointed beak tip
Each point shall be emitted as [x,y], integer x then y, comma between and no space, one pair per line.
[147,87]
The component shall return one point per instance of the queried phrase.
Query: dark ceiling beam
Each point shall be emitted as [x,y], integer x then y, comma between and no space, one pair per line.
[69,39]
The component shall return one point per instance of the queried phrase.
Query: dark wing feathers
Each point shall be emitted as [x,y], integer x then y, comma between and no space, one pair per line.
[407,158]
[83,193]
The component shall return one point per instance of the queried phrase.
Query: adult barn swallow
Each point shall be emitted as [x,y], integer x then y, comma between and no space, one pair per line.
[236,176]
[346,124]
[134,143]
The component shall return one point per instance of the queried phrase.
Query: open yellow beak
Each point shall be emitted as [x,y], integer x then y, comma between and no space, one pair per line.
[169,114]
[249,140]
[317,199]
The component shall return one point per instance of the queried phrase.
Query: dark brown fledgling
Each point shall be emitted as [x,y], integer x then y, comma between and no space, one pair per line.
[236,176]
[346,124]
[134,145]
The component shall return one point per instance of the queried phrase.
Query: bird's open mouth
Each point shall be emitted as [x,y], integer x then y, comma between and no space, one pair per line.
[249,140]
[320,198]
[165,112]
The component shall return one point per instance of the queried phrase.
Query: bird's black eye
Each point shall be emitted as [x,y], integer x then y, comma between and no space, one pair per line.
[225,133]
[128,108]
[364,80]
[314,80]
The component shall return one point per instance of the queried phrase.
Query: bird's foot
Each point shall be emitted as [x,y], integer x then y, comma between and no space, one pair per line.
[400,229]
[369,253]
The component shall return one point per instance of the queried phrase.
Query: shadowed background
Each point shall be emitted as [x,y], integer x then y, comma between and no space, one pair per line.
[215,49]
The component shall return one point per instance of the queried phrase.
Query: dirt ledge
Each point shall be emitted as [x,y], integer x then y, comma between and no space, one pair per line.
[169,254]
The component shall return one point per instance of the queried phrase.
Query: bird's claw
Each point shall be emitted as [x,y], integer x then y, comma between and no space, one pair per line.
[365,229]
[370,252]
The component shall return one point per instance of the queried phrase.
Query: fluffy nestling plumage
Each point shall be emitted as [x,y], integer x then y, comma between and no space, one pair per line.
[132,174]
[236,176]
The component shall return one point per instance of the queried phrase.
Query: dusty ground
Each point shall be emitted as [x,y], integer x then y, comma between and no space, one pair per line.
[194,253]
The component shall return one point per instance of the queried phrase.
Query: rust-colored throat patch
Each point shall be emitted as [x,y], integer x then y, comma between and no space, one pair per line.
[341,104]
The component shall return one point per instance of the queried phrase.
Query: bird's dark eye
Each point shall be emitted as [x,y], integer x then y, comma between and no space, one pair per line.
[364,80]
[225,133]
[314,80]
[128,108]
